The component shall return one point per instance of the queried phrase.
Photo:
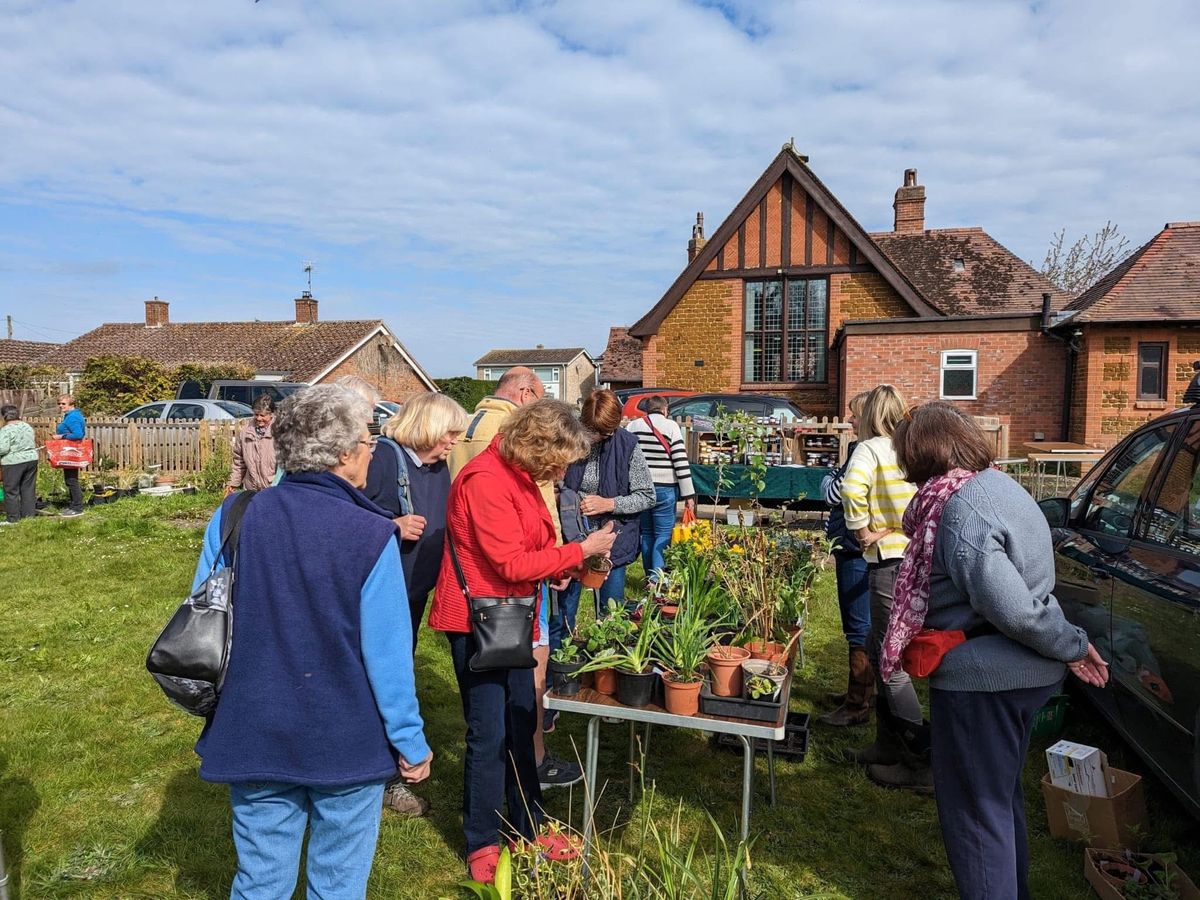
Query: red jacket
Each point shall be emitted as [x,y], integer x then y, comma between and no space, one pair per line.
[504,537]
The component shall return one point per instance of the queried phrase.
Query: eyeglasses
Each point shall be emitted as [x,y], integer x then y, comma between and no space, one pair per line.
[370,442]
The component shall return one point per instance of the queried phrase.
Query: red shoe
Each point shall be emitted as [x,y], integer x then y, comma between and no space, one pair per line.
[482,864]
[559,846]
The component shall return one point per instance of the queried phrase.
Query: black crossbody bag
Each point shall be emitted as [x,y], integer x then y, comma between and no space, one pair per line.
[190,656]
[502,626]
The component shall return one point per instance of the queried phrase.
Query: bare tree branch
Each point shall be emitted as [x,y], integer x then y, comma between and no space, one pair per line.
[1076,268]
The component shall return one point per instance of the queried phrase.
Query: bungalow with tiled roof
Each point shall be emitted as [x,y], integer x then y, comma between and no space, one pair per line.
[304,349]
[1134,336]
[621,362]
[567,373]
[791,295]
[24,353]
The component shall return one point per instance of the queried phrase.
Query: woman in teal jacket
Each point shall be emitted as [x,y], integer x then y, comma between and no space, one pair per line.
[18,460]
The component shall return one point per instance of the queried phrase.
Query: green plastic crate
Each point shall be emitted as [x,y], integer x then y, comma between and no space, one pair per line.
[1049,721]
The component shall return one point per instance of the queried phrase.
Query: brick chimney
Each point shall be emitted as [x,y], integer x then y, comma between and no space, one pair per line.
[909,205]
[696,244]
[306,309]
[157,313]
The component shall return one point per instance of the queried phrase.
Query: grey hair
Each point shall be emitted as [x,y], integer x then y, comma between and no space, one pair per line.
[360,386]
[316,425]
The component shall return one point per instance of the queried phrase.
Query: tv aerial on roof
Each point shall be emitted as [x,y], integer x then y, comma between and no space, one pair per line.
[308,270]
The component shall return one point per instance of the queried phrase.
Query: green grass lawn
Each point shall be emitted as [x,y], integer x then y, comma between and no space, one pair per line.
[99,795]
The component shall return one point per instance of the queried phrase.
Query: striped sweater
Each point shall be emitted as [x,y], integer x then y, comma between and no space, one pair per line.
[666,469]
[875,495]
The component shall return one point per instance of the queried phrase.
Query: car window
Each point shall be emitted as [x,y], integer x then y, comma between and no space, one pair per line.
[784,413]
[693,408]
[238,410]
[1175,513]
[1111,506]
[240,393]
[186,411]
[150,411]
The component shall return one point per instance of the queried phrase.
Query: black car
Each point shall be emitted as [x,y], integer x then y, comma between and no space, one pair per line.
[1127,560]
[702,407]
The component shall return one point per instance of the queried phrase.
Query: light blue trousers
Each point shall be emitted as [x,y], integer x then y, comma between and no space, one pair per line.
[269,820]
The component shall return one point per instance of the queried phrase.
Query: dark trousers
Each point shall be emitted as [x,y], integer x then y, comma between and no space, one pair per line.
[20,490]
[499,764]
[979,743]
[71,477]
[854,597]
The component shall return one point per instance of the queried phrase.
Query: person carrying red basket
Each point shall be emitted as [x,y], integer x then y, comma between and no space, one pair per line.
[73,427]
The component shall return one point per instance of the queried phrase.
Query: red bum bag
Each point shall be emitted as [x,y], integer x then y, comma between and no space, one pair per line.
[925,651]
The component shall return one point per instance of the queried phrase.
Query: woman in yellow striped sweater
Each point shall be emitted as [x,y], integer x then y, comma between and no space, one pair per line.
[874,497]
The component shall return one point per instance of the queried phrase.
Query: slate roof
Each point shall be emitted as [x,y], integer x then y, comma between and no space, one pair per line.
[622,358]
[13,352]
[992,278]
[301,351]
[1161,280]
[540,356]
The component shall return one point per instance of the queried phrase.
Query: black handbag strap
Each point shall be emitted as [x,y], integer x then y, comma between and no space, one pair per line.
[231,529]
[462,578]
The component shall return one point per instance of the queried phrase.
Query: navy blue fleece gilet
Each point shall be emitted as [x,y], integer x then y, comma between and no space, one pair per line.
[296,706]
[613,468]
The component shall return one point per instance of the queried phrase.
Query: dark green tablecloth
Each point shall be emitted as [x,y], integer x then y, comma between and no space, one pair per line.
[783,482]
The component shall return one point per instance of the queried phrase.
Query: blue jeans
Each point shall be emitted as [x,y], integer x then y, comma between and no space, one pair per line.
[562,620]
[657,523]
[980,740]
[854,597]
[269,819]
[499,768]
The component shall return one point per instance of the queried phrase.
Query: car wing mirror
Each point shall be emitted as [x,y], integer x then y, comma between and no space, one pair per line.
[1056,510]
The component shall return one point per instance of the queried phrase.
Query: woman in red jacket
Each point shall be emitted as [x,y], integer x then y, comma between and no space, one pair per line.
[505,541]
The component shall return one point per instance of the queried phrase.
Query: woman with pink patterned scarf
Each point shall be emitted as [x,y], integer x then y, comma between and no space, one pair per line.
[979,562]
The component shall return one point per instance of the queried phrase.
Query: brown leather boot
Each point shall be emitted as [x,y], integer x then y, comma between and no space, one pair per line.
[860,691]
[887,750]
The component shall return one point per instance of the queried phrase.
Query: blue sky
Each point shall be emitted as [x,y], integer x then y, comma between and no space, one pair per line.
[484,174]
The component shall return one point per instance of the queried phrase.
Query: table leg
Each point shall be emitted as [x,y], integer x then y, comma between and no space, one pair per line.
[771,767]
[747,790]
[632,755]
[591,754]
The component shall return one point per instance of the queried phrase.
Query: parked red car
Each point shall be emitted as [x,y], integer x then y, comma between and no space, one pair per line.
[633,403]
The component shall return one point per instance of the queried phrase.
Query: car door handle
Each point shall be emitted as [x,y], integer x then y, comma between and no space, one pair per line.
[1100,574]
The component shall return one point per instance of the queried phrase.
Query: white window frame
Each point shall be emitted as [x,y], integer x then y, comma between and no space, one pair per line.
[946,366]
[555,375]
[487,374]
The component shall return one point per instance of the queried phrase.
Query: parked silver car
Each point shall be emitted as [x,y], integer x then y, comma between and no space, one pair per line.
[188,410]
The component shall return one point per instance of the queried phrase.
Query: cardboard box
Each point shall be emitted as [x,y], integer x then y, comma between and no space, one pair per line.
[1077,768]
[1105,822]
[1106,890]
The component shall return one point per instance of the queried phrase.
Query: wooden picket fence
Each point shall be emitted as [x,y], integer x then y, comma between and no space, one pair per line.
[168,448]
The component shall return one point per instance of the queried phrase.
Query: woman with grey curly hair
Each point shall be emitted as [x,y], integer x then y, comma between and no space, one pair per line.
[319,700]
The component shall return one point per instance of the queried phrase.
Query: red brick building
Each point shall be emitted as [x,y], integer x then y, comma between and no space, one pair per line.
[304,349]
[790,295]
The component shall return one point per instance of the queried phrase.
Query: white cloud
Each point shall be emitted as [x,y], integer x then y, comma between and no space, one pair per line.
[534,167]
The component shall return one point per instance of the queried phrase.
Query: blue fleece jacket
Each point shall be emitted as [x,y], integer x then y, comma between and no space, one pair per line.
[317,688]
[73,427]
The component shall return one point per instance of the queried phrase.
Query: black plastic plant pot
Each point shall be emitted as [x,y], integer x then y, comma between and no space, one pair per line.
[564,678]
[635,688]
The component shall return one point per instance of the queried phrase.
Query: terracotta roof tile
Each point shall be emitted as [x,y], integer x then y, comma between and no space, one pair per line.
[300,351]
[14,352]
[990,279]
[622,358]
[1161,280]
[540,356]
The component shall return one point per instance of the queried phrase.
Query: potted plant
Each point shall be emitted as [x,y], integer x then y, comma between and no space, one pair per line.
[725,669]
[565,663]
[603,639]
[681,648]
[595,571]
[633,662]
[762,679]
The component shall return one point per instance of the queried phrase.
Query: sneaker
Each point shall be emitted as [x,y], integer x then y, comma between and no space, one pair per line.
[549,718]
[555,772]
[400,799]
[71,513]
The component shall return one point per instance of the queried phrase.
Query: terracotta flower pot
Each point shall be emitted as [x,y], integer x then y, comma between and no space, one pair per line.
[606,681]
[682,697]
[725,667]
[768,650]
[595,571]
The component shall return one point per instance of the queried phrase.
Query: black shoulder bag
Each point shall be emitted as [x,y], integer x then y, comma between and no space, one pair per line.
[190,656]
[502,626]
